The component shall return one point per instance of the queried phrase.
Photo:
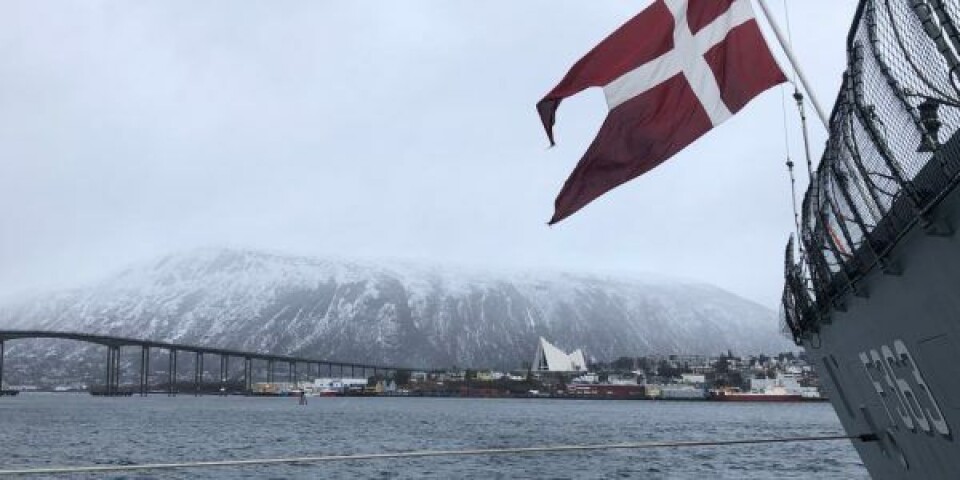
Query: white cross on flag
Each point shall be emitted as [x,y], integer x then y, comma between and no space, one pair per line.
[670,74]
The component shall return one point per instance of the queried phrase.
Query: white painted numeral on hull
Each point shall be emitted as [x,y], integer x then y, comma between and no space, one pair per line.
[900,407]
[914,404]
[936,415]
[873,374]
[906,392]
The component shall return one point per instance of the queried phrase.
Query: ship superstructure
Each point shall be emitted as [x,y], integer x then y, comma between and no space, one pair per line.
[872,287]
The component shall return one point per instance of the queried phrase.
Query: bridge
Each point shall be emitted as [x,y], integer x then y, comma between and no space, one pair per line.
[174,350]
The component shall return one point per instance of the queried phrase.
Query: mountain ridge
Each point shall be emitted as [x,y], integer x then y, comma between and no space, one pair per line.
[400,312]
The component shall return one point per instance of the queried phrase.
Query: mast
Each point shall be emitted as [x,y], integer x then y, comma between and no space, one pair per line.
[795,64]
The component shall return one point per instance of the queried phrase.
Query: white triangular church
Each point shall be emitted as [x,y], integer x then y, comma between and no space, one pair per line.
[551,359]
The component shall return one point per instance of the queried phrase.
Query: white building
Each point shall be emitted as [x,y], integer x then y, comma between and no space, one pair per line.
[587,378]
[551,359]
[338,384]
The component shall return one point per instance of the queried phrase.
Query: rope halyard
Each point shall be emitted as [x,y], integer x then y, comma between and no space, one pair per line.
[421,454]
[789,163]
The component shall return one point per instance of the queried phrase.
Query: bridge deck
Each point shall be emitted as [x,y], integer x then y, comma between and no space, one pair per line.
[114,344]
[114,341]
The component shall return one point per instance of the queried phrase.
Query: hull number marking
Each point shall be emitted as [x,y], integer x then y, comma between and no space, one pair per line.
[903,392]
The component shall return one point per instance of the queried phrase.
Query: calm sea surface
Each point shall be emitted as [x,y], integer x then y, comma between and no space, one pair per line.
[73,429]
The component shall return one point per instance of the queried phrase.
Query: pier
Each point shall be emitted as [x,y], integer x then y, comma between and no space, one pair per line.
[116,345]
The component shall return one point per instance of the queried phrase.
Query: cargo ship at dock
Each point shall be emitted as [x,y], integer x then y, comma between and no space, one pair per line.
[772,396]
[783,388]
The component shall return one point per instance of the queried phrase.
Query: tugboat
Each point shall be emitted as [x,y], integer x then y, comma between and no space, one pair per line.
[872,288]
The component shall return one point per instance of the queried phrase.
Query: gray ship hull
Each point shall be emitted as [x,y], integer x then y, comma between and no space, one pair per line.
[863,356]
[872,287]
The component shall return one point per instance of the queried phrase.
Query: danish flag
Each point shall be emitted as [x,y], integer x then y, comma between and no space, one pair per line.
[670,74]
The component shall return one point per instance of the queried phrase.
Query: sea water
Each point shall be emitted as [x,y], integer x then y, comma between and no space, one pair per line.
[42,430]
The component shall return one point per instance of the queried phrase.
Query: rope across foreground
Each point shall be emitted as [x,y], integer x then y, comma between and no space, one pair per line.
[420,454]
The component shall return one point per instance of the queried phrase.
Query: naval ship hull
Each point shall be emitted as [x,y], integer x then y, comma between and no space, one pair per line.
[889,357]
[872,284]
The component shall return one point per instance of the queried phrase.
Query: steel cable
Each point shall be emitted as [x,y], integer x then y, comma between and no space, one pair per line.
[420,454]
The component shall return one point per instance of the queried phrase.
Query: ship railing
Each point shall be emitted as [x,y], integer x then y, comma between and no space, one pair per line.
[892,155]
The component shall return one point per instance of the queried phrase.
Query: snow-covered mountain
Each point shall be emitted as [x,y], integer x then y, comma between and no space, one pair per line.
[400,314]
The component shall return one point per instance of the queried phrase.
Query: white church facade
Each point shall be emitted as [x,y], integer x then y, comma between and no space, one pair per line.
[551,359]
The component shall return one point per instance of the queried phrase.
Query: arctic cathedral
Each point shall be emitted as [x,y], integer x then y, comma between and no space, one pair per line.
[551,359]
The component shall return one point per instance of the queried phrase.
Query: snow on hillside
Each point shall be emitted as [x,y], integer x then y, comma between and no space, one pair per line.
[400,313]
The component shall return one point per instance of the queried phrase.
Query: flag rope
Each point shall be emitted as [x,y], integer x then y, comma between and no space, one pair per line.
[796,65]
[425,453]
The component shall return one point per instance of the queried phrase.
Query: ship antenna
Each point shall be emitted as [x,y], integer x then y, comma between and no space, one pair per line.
[785,45]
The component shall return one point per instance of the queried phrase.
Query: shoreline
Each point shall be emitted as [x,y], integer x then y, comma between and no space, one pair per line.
[453,395]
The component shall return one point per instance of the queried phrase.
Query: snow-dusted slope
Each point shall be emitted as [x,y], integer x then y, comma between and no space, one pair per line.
[401,314]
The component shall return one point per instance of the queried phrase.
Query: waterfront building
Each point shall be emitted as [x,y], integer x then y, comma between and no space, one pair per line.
[338,384]
[680,392]
[274,388]
[551,359]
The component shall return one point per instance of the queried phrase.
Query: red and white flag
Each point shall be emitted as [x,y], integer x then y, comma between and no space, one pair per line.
[670,74]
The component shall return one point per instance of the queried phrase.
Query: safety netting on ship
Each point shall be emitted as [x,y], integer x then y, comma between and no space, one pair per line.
[892,154]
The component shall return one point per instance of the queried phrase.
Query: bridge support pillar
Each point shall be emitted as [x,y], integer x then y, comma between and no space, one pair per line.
[112,380]
[144,366]
[223,374]
[247,375]
[292,373]
[1,364]
[146,373]
[116,370]
[198,373]
[172,388]
[226,371]
[108,379]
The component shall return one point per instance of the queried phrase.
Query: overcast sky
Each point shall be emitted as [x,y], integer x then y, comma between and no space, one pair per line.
[407,130]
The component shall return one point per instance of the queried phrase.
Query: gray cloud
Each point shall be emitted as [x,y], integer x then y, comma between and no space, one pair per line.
[397,129]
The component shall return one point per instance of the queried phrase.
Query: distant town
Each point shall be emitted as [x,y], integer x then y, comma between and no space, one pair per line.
[552,374]
[555,374]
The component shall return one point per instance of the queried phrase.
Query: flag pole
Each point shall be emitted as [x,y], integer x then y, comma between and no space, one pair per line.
[796,65]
